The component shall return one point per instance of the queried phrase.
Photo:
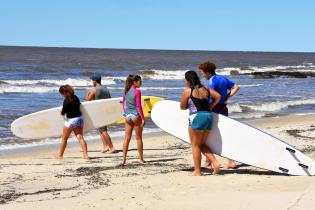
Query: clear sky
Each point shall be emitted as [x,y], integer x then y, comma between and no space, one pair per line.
[241,25]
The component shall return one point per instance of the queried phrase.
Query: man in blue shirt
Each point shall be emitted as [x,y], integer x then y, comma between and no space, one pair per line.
[225,88]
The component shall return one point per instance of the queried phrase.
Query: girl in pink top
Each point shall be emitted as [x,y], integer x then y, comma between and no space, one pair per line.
[134,117]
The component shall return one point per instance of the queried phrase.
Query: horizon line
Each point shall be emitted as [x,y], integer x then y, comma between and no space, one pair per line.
[157,49]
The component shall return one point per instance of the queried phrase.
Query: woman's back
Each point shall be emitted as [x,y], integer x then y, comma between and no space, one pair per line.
[199,100]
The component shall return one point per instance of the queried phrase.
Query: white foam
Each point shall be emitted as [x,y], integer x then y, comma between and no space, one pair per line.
[69,81]
[164,74]
[44,86]
[234,108]
[250,115]
[251,85]
[277,106]
[149,88]
[227,71]
[23,89]
[306,67]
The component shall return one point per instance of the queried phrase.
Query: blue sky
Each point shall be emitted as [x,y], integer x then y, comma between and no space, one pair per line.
[239,25]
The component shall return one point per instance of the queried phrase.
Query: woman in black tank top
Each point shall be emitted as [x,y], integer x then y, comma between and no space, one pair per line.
[196,98]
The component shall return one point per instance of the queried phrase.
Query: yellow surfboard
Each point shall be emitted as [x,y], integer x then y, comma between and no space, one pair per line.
[147,104]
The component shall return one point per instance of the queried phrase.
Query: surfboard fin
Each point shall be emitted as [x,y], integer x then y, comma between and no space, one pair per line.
[284,170]
[303,166]
[290,150]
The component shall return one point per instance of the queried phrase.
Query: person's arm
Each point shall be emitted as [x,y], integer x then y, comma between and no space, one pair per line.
[90,95]
[64,107]
[234,90]
[123,102]
[215,96]
[184,99]
[138,103]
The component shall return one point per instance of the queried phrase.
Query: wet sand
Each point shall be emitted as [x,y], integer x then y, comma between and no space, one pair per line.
[35,180]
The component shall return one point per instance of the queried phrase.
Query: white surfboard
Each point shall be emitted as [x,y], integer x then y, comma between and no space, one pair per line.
[49,123]
[237,141]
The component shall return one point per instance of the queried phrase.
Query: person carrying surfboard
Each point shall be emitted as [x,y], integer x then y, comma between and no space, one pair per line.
[100,91]
[133,113]
[196,98]
[225,88]
[74,121]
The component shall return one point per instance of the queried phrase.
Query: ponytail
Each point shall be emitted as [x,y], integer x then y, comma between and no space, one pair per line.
[129,83]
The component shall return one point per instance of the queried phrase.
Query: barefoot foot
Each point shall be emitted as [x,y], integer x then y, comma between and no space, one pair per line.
[195,173]
[141,161]
[58,157]
[111,151]
[104,150]
[231,165]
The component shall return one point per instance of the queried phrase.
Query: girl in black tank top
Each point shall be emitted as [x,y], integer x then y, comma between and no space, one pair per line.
[201,104]
[200,119]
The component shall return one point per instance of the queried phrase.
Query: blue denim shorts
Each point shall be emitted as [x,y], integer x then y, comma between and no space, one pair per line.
[131,116]
[201,120]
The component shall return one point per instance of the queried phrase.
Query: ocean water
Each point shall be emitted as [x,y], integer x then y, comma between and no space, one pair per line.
[271,84]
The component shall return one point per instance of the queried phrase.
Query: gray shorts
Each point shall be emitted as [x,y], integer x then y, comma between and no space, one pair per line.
[102,129]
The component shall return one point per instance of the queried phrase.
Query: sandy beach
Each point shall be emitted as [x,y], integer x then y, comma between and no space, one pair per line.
[35,180]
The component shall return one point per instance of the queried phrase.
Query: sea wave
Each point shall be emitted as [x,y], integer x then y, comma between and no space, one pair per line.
[155,74]
[44,86]
[149,88]
[296,71]
[45,89]
[279,105]
[251,85]
[69,81]
[268,107]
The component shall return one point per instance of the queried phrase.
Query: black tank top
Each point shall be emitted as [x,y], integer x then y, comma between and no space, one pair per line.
[201,104]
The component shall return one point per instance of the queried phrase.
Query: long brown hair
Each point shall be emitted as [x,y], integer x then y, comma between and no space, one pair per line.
[67,91]
[130,80]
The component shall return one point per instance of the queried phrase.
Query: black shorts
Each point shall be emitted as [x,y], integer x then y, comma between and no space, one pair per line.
[221,109]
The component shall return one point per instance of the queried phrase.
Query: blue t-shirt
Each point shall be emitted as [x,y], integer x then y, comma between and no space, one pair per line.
[222,85]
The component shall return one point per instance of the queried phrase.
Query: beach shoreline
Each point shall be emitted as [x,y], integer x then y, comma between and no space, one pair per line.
[36,180]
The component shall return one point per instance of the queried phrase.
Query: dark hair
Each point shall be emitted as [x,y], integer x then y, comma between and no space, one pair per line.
[208,67]
[194,81]
[130,80]
[67,91]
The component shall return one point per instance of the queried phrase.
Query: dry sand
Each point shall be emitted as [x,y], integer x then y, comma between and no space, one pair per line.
[35,180]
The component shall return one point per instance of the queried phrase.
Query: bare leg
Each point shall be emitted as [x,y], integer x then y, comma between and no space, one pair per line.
[209,155]
[128,132]
[65,135]
[207,162]
[138,130]
[107,141]
[105,147]
[196,141]
[79,134]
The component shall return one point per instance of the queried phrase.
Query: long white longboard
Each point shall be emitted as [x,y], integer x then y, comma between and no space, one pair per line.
[236,140]
[49,123]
